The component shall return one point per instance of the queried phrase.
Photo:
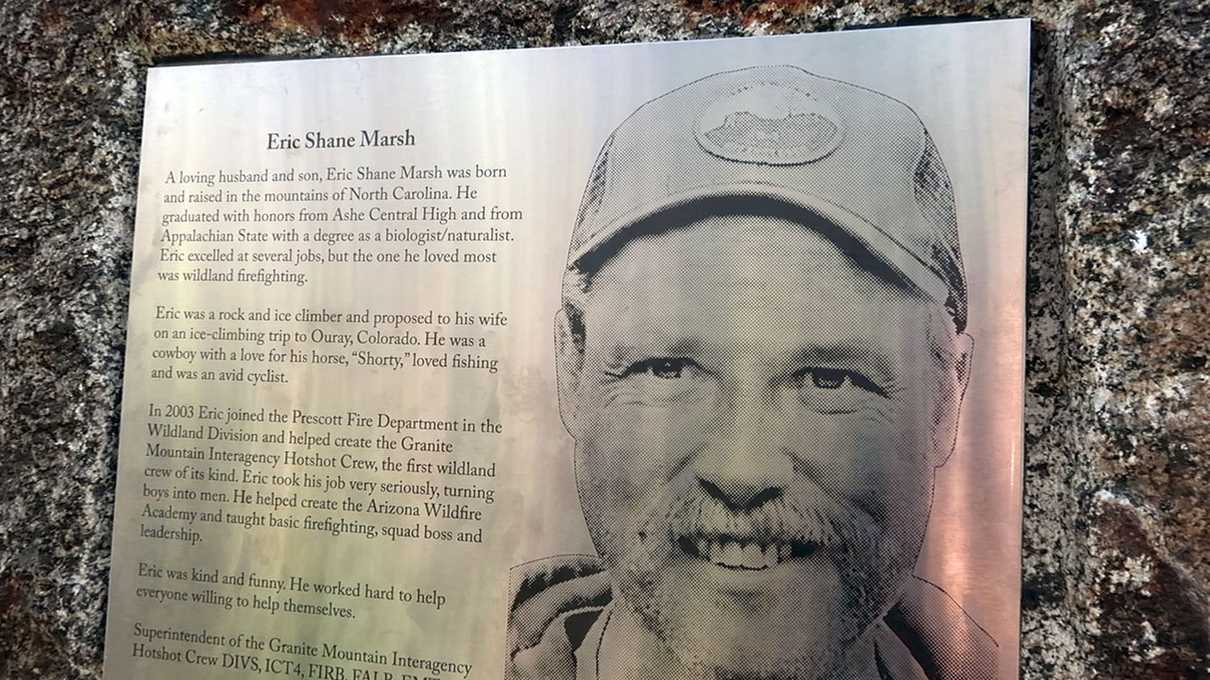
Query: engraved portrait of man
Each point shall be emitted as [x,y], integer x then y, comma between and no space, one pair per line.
[762,357]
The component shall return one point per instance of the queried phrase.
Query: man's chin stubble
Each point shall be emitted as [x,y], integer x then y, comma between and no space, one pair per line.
[693,638]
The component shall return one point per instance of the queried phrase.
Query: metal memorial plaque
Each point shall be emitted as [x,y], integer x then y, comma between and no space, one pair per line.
[653,361]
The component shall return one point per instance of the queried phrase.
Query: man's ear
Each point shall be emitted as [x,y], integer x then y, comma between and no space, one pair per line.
[569,368]
[952,391]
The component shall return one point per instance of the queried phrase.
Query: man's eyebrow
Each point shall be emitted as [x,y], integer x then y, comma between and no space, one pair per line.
[853,353]
[623,350]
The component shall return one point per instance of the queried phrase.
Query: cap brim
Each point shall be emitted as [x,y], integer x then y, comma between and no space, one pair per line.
[831,220]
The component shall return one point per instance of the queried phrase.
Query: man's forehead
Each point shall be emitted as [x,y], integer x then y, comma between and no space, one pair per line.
[748,285]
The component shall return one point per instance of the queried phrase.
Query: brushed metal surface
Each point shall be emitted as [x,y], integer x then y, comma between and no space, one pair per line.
[543,116]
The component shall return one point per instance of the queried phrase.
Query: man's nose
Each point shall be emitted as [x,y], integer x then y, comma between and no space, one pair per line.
[744,461]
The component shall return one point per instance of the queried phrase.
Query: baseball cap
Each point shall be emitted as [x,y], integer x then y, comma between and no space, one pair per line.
[853,162]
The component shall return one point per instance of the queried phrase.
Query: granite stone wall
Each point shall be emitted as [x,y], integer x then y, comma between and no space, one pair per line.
[1117,518]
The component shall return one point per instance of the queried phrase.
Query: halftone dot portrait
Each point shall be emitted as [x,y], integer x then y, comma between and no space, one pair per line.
[762,355]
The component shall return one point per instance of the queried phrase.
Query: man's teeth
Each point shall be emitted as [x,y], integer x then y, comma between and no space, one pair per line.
[746,556]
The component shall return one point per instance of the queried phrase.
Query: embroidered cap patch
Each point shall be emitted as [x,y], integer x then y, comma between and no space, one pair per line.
[769,123]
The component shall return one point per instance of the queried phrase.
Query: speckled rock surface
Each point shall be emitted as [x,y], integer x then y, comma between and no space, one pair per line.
[1117,527]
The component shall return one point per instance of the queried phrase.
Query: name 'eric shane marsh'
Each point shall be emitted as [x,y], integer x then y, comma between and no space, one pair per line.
[315,139]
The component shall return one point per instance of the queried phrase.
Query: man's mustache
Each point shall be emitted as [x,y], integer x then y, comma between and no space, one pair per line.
[794,521]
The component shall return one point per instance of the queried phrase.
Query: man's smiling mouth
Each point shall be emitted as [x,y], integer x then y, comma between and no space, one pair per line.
[732,553]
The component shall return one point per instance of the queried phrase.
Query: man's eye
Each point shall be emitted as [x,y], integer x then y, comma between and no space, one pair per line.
[828,378]
[666,368]
[834,390]
[662,381]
